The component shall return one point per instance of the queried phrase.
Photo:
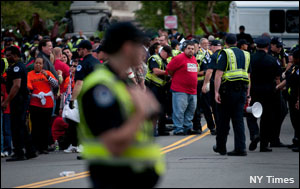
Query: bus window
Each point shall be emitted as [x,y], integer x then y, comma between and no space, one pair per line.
[277,21]
[292,21]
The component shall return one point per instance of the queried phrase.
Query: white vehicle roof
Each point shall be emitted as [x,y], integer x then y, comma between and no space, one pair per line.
[265,4]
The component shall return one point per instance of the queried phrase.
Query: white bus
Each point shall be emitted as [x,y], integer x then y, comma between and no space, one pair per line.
[278,18]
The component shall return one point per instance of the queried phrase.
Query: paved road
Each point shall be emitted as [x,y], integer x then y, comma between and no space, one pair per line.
[190,163]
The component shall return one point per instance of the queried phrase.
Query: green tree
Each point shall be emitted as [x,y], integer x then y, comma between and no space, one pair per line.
[13,12]
[190,14]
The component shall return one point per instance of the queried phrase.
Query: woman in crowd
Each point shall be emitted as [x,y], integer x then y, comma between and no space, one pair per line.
[39,82]
[71,133]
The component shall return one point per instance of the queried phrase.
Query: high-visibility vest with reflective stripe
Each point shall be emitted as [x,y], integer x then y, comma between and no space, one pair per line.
[232,73]
[174,53]
[143,152]
[199,58]
[5,65]
[150,76]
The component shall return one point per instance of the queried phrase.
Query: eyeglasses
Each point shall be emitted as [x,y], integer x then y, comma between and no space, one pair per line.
[73,66]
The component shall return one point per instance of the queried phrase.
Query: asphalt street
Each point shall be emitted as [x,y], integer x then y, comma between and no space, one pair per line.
[191,163]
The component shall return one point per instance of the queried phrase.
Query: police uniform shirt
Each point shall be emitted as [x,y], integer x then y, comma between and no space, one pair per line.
[293,81]
[85,67]
[212,64]
[17,71]
[101,109]
[265,69]
[153,64]
[240,58]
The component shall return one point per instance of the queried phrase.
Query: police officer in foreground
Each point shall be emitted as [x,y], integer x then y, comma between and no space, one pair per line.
[264,77]
[18,97]
[115,127]
[216,47]
[231,89]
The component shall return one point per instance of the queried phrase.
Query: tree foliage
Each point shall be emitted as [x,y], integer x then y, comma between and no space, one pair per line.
[189,13]
[13,12]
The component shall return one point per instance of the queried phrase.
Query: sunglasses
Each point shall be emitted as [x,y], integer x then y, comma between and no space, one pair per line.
[74,66]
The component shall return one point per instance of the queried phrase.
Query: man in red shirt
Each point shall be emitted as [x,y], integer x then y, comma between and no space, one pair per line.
[184,71]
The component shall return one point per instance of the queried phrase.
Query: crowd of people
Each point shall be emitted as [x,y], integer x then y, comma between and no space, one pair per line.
[189,76]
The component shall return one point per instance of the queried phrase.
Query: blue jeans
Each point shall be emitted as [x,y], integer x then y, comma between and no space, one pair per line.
[184,106]
[6,134]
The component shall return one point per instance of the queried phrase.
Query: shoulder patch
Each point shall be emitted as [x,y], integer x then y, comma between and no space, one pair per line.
[153,59]
[16,69]
[78,68]
[103,96]
[278,63]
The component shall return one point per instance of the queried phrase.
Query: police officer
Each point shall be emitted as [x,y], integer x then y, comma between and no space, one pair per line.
[203,99]
[156,80]
[292,84]
[18,97]
[263,90]
[231,83]
[84,68]
[276,50]
[216,47]
[294,91]
[114,118]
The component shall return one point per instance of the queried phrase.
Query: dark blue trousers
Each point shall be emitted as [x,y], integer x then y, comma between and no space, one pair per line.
[231,108]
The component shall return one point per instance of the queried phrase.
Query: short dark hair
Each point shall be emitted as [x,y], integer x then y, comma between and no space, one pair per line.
[43,43]
[187,43]
[168,50]
[14,50]
[117,34]
[242,27]
[152,48]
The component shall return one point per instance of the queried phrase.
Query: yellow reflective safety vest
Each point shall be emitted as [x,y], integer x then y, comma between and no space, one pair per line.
[142,154]
[232,73]
[5,65]
[174,53]
[199,58]
[151,77]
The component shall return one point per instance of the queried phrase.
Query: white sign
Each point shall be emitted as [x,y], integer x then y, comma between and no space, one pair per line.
[170,22]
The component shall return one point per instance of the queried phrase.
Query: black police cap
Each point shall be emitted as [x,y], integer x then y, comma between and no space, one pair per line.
[262,41]
[231,39]
[215,43]
[99,48]
[277,41]
[174,42]
[85,44]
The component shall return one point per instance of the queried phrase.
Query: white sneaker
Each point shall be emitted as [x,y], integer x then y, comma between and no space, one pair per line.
[2,154]
[71,149]
[79,148]
[6,154]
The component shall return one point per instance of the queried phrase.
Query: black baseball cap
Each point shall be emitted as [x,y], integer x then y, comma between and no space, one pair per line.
[174,42]
[98,49]
[262,41]
[277,41]
[85,44]
[215,43]
[242,42]
[230,39]
[117,34]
